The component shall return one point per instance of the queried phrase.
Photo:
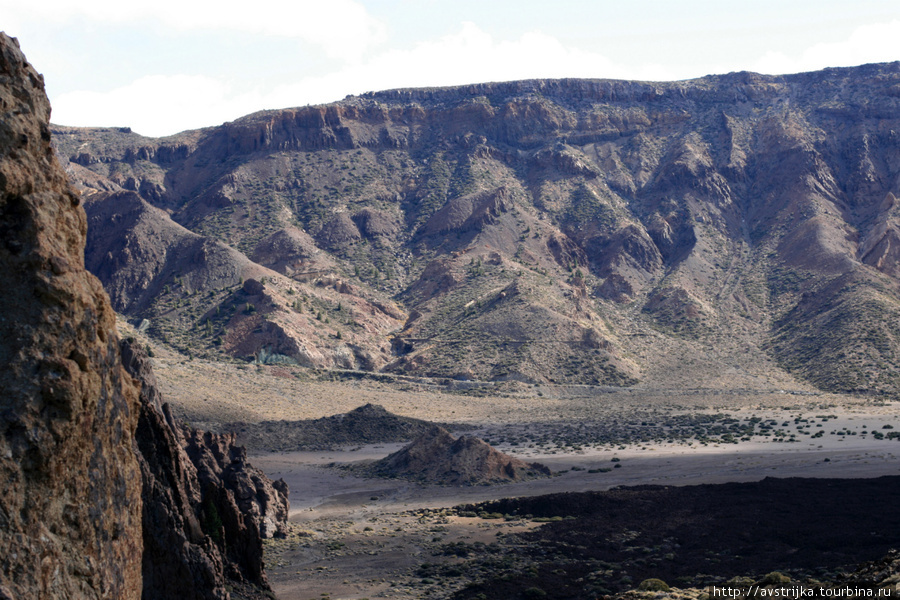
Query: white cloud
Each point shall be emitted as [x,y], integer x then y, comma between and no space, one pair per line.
[162,105]
[343,28]
[157,105]
[467,56]
[867,44]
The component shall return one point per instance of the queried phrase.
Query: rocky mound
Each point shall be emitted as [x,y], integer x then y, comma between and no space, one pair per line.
[368,424]
[438,457]
[291,251]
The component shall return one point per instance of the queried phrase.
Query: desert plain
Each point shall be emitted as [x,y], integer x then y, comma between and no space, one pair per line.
[356,536]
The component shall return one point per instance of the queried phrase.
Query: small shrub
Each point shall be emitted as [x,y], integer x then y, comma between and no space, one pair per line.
[654,585]
[534,592]
[775,578]
[210,521]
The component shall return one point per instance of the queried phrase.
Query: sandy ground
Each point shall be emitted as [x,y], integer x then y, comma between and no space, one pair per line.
[317,489]
[333,553]
[207,392]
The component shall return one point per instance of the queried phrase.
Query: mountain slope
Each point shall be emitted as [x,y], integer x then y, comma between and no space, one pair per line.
[581,231]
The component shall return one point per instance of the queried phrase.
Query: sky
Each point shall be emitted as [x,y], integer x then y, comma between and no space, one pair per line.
[169,65]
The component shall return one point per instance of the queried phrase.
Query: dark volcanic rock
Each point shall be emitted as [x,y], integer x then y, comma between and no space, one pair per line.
[179,557]
[206,510]
[103,496]
[884,572]
[700,535]
[250,505]
[438,457]
[70,498]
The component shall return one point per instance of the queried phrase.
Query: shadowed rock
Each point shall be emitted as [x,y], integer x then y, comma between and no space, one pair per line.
[368,424]
[206,509]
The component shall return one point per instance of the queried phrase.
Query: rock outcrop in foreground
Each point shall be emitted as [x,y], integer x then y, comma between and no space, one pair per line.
[103,495]
[206,509]
[70,498]
[438,457]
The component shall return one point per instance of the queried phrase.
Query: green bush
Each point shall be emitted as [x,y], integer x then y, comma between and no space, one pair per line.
[654,585]
[775,578]
[210,521]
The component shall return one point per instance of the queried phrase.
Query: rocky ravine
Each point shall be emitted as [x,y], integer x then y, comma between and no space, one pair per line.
[104,495]
[577,231]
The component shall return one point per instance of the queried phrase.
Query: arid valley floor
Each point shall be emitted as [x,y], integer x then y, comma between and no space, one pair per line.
[355,537]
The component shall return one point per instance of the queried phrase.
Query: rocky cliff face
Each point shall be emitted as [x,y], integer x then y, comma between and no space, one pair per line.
[205,509]
[70,503]
[579,231]
[103,495]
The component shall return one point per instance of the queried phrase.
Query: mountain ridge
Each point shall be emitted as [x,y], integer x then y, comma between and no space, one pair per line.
[569,231]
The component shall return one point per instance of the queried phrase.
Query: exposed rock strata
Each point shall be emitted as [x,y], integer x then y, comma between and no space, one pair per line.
[70,501]
[743,220]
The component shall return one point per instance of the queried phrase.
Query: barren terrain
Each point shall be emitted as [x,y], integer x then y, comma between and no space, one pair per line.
[332,551]
[356,537]
[694,234]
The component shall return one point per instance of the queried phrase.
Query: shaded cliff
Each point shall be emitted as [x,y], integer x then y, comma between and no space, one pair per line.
[70,503]
[205,509]
[104,494]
